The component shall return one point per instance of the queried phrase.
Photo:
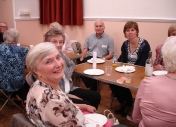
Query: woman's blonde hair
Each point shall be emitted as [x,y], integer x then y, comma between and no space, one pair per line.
[171,29]
[56,25]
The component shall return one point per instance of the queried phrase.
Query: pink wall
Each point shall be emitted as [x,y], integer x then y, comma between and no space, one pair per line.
[6,12]
[154,33]
[31,32]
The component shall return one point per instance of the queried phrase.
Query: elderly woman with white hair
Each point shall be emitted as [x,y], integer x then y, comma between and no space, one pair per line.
[12,65]
[47,104]
[155,100]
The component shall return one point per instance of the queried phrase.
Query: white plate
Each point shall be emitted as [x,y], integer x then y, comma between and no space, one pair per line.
[130,69]
[94,72]
[94,119]
[159,72]
[98,60]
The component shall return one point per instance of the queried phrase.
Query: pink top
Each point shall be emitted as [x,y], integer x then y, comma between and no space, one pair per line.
[155,103]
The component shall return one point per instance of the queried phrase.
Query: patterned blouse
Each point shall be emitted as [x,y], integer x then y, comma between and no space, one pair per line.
[12,65]
[49,107]
[133,56]
[159,59]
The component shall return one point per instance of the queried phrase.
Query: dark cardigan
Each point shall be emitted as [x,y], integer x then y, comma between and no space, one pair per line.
[142,53]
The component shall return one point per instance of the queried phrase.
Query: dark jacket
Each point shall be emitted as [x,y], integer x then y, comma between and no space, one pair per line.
[142,53]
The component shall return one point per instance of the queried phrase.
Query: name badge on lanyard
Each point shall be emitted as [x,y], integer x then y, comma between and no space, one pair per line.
[104,46]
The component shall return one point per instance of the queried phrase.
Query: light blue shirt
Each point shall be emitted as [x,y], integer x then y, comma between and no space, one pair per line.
[103,45]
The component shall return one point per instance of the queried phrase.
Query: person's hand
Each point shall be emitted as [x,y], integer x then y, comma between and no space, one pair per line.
[90,108]
[73,96]
[159,67]
[98,125]
[81,59]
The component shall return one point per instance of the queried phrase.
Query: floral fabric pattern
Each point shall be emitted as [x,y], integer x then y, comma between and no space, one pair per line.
[159,59]
[12,65]
[48,107]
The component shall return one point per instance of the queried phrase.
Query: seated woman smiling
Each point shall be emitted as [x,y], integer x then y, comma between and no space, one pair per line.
[47,104]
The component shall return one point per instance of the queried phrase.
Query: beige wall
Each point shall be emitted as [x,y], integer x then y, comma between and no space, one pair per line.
[31,31]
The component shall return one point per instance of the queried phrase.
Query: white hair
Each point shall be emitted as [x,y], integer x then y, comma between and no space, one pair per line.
[37,53]
[11,36]
[169,53]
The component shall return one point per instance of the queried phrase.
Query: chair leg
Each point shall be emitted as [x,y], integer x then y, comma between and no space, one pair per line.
[6,100]
[9,99]
[112,100]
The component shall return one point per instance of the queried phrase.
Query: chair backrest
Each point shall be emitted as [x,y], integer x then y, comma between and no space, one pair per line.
[12,64]
[20,120]
[76,46]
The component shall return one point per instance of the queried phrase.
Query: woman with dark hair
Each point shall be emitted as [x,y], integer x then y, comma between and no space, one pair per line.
[133,51]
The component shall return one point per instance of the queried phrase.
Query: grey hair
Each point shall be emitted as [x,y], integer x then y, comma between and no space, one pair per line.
[52,33]
[37,53]
[56,25]
[169,53]
[99,20]
[11,36]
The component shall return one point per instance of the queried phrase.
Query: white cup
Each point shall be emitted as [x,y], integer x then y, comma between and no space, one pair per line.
[31,46]
[128,77]
[94,60]
[18,44]
[108,70]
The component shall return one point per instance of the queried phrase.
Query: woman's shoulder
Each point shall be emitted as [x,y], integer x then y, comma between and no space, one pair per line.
[159,47]
[144,41]
[144,44]
[125,43]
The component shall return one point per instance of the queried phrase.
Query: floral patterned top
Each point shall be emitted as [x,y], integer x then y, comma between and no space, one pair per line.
[159,59]
[12,65]
[49,107]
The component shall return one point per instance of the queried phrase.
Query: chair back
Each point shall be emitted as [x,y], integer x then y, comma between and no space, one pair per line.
[20,120]
[12,65]
[76,46]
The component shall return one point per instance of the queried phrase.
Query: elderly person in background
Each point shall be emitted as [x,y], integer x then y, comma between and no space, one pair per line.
[3,28]
[155,100]
[133,51]
[158,63]
[67,47]
[47,104]
[100,42]
[12,65]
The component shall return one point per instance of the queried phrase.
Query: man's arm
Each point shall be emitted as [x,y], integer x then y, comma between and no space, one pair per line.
[109,56]
[83,55]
